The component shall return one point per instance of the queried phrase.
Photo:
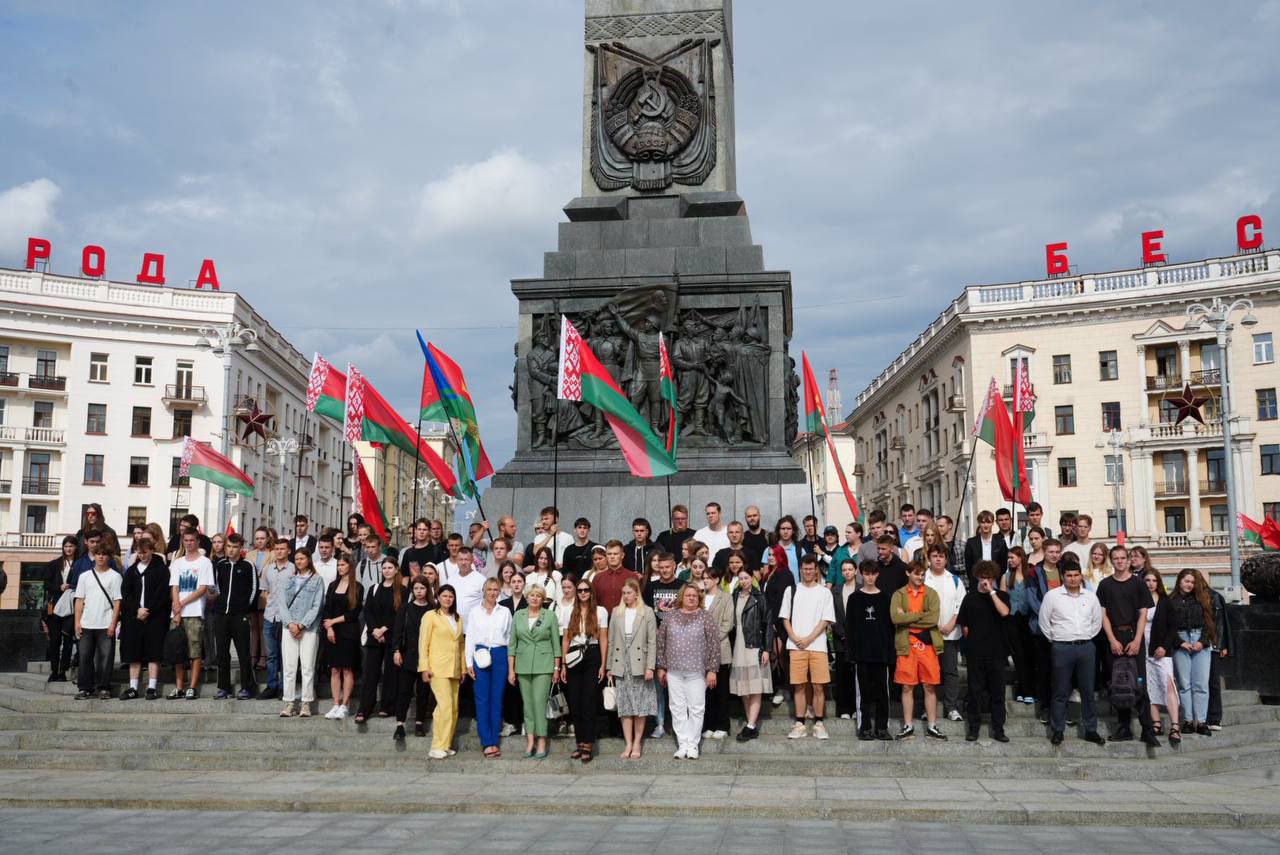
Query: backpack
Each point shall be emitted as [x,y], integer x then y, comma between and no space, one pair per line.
[1124,682]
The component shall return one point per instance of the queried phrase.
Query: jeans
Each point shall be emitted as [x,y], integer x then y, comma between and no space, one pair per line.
[226,630]
[873,687]
[1073,661]
[1191,673]
[490,688]
[61,642]
[584,695]
[272,632]
[661,718]
[986,683]
[688,693]
[299,654]
[97,658]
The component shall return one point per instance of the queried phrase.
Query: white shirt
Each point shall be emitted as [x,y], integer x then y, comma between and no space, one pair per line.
[1067,618]
[602,621]
[489,629]
[950,594]
[629,620]
[551,586]
[328,571]
[97,608]
[187,577]
[714,540]
[812,604]
[562,542]
[1080,551]
[986,548]
[470,591]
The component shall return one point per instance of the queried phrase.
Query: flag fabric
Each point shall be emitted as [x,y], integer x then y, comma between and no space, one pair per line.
[200,461]
[984,428]
[326,389]
[1265,534]
[369,417]
[231,528]
[994,428]
[366,501]
[445,399]
[815,417]
[669,395]
[1024,404]
[581,377]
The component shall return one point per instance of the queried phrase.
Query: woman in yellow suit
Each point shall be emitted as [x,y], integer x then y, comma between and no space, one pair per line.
[533,657]
[440,661]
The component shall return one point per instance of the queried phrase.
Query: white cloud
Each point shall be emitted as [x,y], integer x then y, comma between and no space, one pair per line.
[202,208]
[26,211]
[505,191]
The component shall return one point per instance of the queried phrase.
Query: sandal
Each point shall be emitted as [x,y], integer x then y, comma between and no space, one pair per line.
[1175,735]
[1157,727]
[586,753]
[360,718]
[577,754]
[490,753]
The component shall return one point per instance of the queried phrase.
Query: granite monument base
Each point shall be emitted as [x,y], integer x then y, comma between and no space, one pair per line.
[21,640]
[1254,657]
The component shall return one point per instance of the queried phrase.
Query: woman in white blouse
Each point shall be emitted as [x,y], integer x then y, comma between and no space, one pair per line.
[488,628]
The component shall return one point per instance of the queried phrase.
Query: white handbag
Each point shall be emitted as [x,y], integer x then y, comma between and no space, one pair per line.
[66,604]
[482,658]
[610,697]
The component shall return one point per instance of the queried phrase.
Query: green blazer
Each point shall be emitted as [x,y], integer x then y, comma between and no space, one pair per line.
[535,649]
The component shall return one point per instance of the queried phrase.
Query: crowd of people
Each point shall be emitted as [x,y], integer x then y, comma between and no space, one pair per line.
[569,636]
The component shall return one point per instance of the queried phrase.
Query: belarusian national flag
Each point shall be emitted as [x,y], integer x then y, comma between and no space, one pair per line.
[1265,534]
[815,419]
[1024,410]
[669,395]
[366,501]
[326,389]
[581,377]
[984,428]
[445,399]
[202,462]
[370,418]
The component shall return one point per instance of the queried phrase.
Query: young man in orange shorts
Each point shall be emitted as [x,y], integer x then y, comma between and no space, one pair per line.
[917,642]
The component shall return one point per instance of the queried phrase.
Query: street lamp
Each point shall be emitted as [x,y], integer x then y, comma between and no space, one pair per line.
[1218,315]
[282,447]
[222,341]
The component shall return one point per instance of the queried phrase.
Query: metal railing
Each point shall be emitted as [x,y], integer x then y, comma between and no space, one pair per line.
[8,378]
[185,392]
[47,382]
[41,486]
[1176,487]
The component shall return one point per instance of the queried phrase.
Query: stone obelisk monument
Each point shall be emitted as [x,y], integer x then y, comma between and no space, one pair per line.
[658,241]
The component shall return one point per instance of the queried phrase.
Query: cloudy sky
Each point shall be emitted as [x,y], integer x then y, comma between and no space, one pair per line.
[359,169]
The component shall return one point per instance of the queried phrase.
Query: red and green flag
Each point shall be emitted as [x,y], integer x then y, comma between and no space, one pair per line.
[366,501]
[200,461]
[1265,534]
[669,395]
[994,428]
[815,419]
[369,417]
[445,399]
[326,389]
[581,377]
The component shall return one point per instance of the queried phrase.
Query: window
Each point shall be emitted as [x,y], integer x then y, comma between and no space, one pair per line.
[1266,404]
[175,479]
[1168,412]
[1108,365]
[97,422]
[137,516]
[141,421]
[1271,460]
[1064,420]
[37,518]
[1062,368]
[1,411]
[1114,525]
[38,467]
[1218,518]
[175,516]
[1066,472]
[47,362]
[1271,511]
[93,468]
[42,414]
[139,471]
[182,379]
[1216,469]
[181,423]
[142,370]
[1175,519]
[1263,351]
[4,358]
[1111,415]
[1210,364]
[1114,464]
[97,368]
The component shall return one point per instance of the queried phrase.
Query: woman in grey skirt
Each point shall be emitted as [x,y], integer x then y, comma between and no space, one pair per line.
[633,646]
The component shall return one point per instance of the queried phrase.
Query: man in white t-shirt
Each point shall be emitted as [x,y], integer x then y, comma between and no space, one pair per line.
[715,534]
[550,535]
[96,617]
[467,582]
[325,562]
[192,577]
[1082,544]
[951,593]
[807,610]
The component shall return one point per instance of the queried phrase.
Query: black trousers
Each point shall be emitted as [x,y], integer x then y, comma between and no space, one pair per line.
[62,642]
[1073,662]
[1215,689]
[228,630]
[846,697]
[717,703]
[1024,657]
[873,686]
[410,684]
[1124,717]
[986,686]
[583,694]
[97,658]
[512,706]
[1044,673]
[379,667]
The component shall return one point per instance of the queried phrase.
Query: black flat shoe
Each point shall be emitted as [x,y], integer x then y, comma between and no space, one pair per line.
[884,736]
[971,737]
[1202,729]
[1056,739]
[419,729]
[1150,740]
[999,736]
[398,736]
[1094,738]
[865,736]
[1121,736]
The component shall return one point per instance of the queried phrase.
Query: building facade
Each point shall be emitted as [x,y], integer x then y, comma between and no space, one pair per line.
[101,381]
[391,471]
[1107,355]
[829,503]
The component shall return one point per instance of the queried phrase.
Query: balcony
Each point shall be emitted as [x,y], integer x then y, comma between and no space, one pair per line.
[1213,486]
[1163,382]
[46,383]
[1207,377]
[1186,430]
[44,436]
[31,540]
[6,487]
[41,486]
[897,443]
[8,378]
[177,393]
[1007,392]
[1035,440]
[955,403]
[1170,489]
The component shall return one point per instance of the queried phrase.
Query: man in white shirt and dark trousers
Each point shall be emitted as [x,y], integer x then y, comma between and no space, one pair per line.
[950,592]
[806,612]
[97,615]
[1070,617]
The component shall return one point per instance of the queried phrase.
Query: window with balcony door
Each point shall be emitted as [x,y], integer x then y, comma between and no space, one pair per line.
[1066,472]
[42,414]
[1175,519]
[1064,420]
[1218,517]
[93,468]
[97,368]
[1270,459]
[1110,415]
[1168,412]
[141,421]
[1216,470]
[1167,373]
[1263,351]
[46,363]
[1266,405]
[1108,365]
[182,379]
[1210,364]
[139,471]
[1174,467]
[4,359]
[1,411]
[1271,511]
[37,519]
[1114,467]
[181,423]
[97,420]
[142,366]
[176,479]
[1062,368]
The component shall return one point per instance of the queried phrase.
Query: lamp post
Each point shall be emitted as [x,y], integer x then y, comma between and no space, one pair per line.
[283,447]
[222,341]
[1113,440]
[1218,315]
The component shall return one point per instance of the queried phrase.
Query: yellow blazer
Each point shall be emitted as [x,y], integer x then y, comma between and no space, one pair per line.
[440,646]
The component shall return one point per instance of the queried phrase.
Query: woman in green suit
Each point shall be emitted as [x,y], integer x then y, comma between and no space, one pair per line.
[533,655]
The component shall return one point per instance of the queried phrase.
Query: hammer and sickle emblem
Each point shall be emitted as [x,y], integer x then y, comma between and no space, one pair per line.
[652,99]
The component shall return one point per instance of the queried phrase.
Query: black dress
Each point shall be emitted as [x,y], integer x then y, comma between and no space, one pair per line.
[344,650]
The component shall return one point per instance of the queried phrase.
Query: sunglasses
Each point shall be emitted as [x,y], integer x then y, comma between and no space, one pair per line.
[584,590]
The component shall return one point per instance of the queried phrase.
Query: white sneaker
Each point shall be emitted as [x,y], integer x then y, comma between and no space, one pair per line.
[342,712]
[333,712]
[508,729]
[797,731]
[845,716]
[706,734]
[718,734]
[1075,697]
[691,754]
[680,754]
[820,730]
[778,698]
[437,754]
[658,733]
[954,715]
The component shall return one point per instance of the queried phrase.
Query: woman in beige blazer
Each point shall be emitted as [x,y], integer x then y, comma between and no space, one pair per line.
[440,661]
[633,648]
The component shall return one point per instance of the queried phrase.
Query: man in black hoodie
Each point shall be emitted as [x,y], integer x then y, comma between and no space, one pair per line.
[635,555]
[237,597]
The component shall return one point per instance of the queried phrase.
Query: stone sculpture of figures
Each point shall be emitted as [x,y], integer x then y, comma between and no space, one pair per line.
[727,407]
[690,357]
[793,402]
[542,365]
[645,384]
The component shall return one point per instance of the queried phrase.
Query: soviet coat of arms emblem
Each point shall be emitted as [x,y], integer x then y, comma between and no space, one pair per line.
[653,118]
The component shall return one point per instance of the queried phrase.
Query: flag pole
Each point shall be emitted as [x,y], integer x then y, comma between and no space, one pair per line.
[555,432]
[808,453]
[417,459]
[297,484]
[964,489]
[342,490]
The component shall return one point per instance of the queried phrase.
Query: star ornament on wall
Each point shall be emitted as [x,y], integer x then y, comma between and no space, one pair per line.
[1188,404]
[254,421]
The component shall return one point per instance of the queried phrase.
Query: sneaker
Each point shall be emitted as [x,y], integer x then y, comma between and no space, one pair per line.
[820,730]
[305,710]
[865,736]
[222,695]
[1203,729]
[954,715]
[342,712]
[290,710]
[798,731]
[1029,699]
[971,737]
[105,695]
[845,716]
[932,731]
[244,695]
[1215,727]
[83,696]
[508,729]
[778,698]
[680,754]
[718,734]
[129,694]
[999,736]
[1020,699]
[398,736]
[333,712]
[748,733]
[152,694]
[706,734]
[884,736]
[908,730]
[437,754]
[192,694]
[658,733]
[691,754]
[176,695]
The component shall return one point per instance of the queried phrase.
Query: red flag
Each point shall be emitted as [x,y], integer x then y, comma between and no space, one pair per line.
[1010,463]
[366,501]
[816,421]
